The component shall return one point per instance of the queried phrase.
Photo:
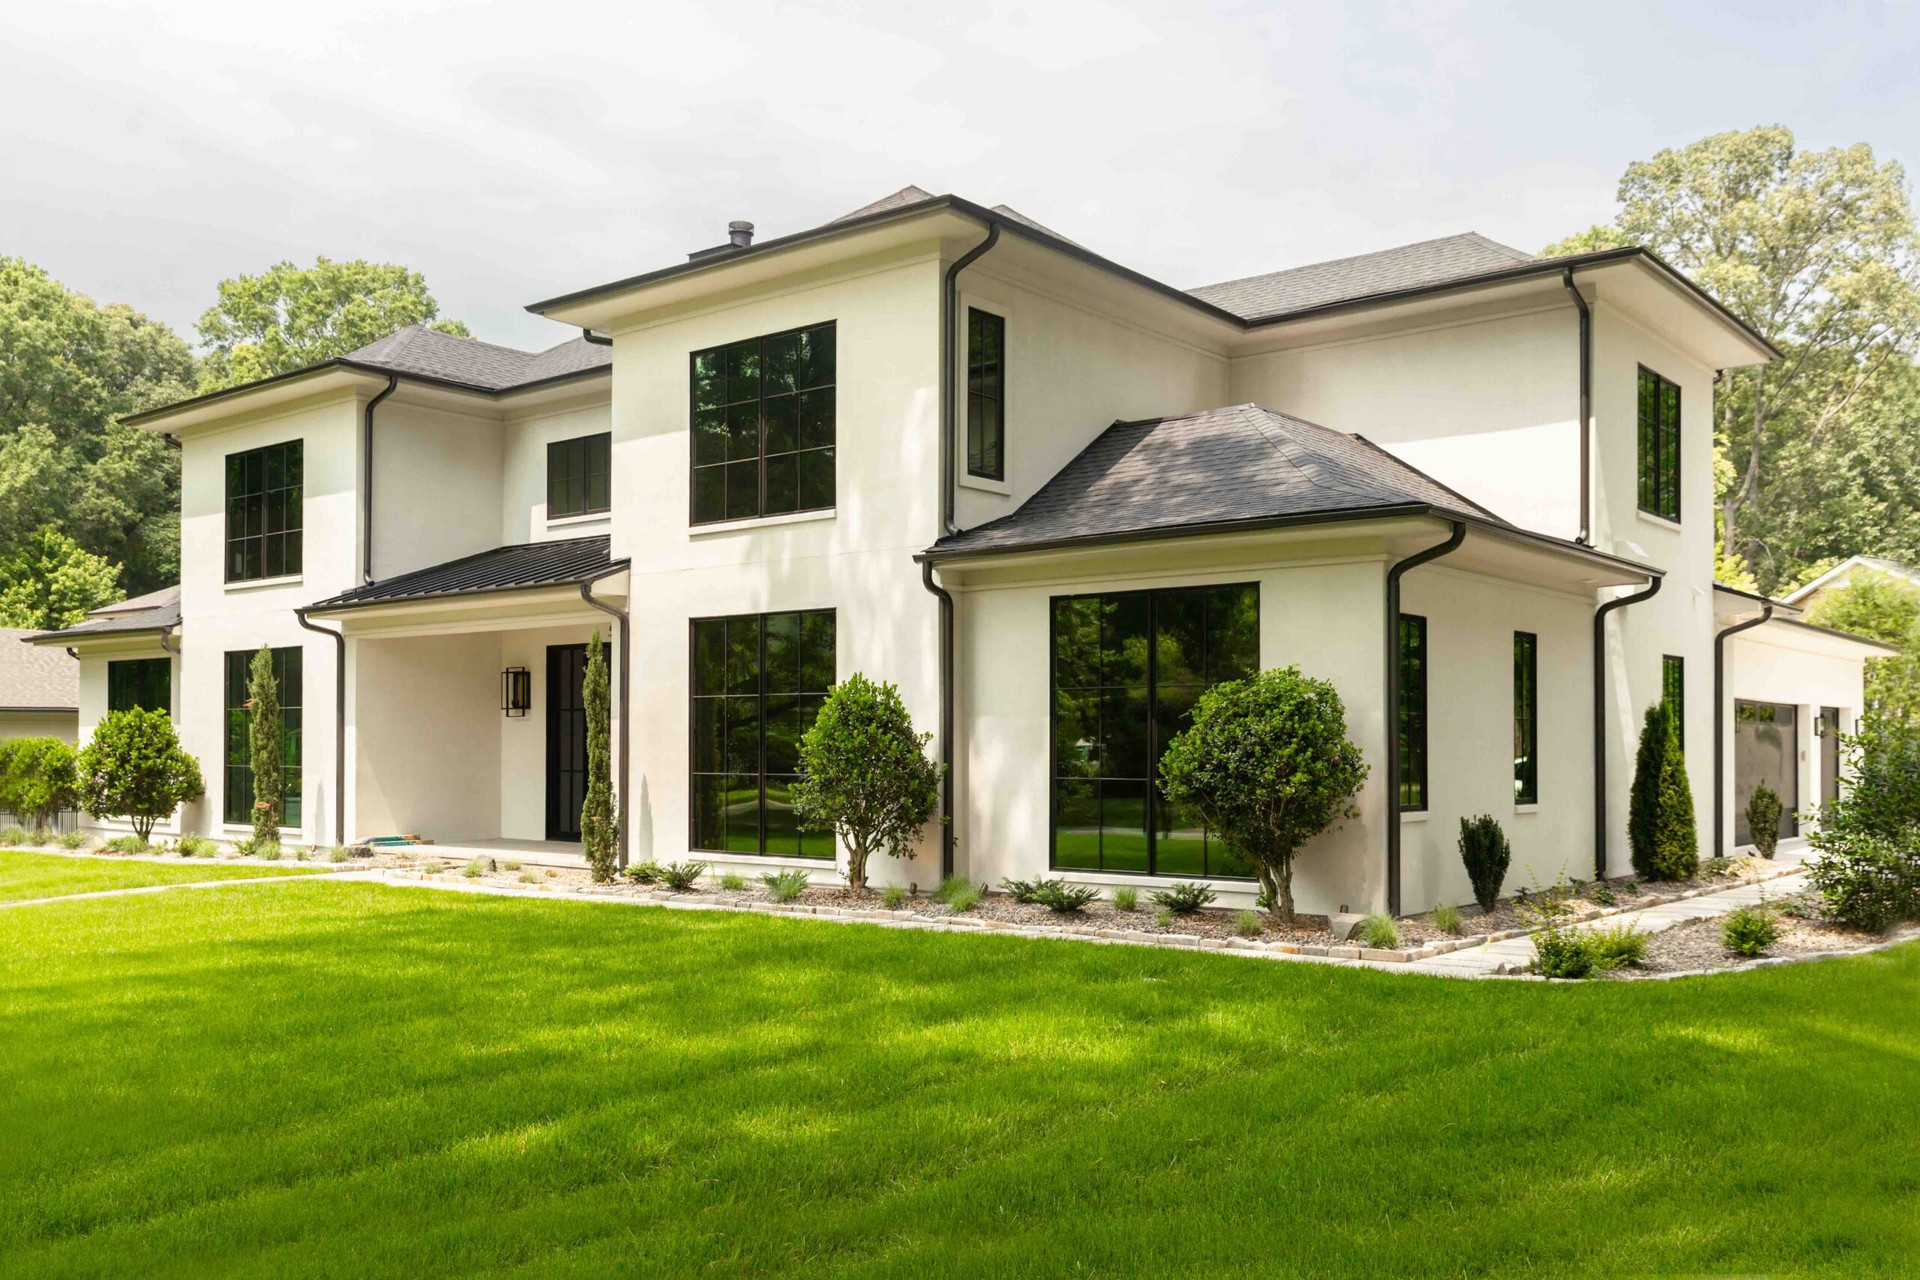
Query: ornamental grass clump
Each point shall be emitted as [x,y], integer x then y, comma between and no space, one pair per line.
[1267,765]
[1247,924]
[1066,899]
[1660,827]
[1183,899]
[959,893]
[1379,932]
[1126,898]
[785,886]
[1446,918]
[682,876]
[1486,854]
[865,775]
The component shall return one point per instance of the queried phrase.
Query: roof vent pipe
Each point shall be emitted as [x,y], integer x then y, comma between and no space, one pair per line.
[740,234]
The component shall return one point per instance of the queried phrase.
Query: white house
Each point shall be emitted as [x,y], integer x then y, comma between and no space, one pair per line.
[1048,497]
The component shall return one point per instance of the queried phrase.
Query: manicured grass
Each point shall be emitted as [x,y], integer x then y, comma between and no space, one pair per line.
[48,875]
[350,1079]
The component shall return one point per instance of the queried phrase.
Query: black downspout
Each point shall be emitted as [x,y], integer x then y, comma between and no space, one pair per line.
[339,725]
[366,480]
[1720,725]
[166,634]
[1586,409]
[949,295]
[598,340]
[1392,716]
[626,687]
[1600,720]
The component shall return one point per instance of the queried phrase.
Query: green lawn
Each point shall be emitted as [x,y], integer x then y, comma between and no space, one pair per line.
[362,1080]
[48,875]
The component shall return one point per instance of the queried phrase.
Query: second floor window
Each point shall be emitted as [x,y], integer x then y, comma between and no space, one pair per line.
[263,512]
[986,395]
[1659,446]
[763,426]
[579,476]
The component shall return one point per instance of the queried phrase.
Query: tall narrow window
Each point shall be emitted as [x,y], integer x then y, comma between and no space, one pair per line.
[1673,688]
[1659,445]
[580,476]
[237,806]
[763,426]
[758,682]
[1127,669]
[264,512]
[986,395]
[1413,711]
[1526,718]
[146,683]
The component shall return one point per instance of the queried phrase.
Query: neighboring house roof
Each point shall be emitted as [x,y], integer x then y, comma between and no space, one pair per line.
[121,619]
[1842,573]
[1237,466]
[35,679]
[521,566]
[1407,266]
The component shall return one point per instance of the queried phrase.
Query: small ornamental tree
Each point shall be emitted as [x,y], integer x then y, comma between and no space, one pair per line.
[266,750]
[1660,829]
[37,779]
[598,826]
[1763,819]
[134,768]
[864,774]
[1268,766]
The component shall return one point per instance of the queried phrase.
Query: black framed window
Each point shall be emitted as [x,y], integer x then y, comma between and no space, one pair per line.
[580,475]
[758,682]
[264,512]
[1659,445]
[1413,711]
[146,683]
[1526,718]
[237,802]
[1127,669]
[1673,687]
[763,426]
[986,394]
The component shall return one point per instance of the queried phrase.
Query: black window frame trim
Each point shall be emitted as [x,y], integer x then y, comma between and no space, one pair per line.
[1426,684]
[1640,461]
[226,516]
[1532,640]
[693,520]
[585,478]
[966,442]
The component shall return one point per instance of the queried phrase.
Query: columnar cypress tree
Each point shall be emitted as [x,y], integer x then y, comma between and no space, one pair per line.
[598,825]
[266,747]
[1660,824]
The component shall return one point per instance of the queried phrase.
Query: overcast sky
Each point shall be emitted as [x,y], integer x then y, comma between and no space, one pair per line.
[514,151]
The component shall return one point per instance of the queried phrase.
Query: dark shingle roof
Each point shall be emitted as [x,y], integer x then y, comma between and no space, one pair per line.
[165,616]
[524,565]
[137,604]
[1409,266]
[482,365]
[36,679]
[1219,466]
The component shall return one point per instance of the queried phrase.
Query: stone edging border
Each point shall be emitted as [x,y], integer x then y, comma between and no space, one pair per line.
[1898,938]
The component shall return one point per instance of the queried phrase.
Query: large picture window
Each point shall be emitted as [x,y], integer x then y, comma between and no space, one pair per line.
[1413,712]
[986,395]
[146,683]
[1526,718]
[763,426]
[237,806]
[1659,446]
[758,682]
[1127,669]
[580,476]
[264,512]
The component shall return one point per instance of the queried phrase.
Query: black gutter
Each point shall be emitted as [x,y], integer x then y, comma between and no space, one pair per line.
[1720,723]
[597,339]
[1391,718]
[366,482]
[1600,720]
[1586,408]
[626,701]
[342,606]
[166,634]
[339,724]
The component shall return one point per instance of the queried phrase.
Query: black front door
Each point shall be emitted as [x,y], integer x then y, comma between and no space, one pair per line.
[566,739]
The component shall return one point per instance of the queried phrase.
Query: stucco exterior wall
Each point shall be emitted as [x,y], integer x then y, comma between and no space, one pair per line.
[437,491]
[524,478]
[423,734]
[63,725]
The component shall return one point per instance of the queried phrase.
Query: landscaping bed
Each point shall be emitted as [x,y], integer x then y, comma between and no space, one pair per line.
[1699,946]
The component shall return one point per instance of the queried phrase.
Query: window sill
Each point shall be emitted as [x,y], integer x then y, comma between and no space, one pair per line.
[1659,522]
[585,517]
[1147,880]
[246,829]
[1529,806]
[263,584]
[1413,815]
[716,858]
[986,485]
[761,522]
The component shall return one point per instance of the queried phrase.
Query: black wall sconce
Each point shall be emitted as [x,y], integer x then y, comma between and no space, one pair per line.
[516,691]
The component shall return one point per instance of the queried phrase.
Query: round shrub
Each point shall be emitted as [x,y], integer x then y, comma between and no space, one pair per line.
[864,774]
[134,768]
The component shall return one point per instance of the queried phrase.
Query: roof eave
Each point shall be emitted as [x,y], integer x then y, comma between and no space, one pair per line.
[335,607]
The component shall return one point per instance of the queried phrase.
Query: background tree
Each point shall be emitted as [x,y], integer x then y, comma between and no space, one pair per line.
[1268,765]
[38,779]
[1660,828]
[598,826]
[133,767]
[288,317]
[265,747]
[48,582]
[1872,604]
[864,774]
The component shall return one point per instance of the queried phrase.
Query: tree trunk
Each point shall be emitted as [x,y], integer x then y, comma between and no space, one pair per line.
[857,866]
[1278,885]
[143,827]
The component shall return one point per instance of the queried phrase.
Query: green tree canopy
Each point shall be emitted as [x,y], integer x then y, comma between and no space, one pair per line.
[865,774]
[289,317]
[49,581]
[1872,604]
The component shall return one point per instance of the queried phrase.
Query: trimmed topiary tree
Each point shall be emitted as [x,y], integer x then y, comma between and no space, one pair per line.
[1486,853]
[265,748]
[134,768]
[1268,766]
[598,825]
[864,774]
[1660,828]
[1763,819]
[38,779]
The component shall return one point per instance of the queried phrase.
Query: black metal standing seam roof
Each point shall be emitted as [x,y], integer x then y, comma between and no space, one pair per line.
[522,566]
[1219,466]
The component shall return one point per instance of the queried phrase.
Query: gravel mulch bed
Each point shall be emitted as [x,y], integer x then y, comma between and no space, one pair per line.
[1697,945]
[1625,892]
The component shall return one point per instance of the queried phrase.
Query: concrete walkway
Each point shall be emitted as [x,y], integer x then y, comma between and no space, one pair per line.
[1516,955]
